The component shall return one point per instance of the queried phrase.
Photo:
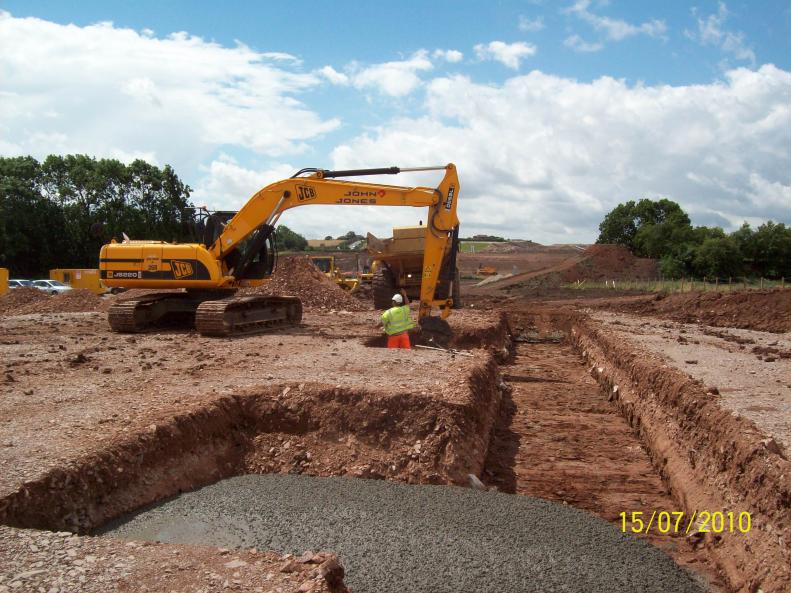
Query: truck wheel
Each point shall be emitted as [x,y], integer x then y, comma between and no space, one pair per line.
[456,296]
[383,287]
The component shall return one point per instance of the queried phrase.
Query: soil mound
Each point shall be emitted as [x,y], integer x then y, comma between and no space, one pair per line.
[296,276]
[20,297]
[23,301]
[611,262]
[762,310]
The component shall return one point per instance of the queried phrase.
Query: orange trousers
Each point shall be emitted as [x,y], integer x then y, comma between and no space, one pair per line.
[399,341]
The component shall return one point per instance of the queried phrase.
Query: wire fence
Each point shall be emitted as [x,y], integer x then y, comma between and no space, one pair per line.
[682,284]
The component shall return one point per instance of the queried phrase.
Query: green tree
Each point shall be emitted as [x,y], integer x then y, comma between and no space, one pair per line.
[288,240]
[57,207]
[672,266]
[650,228]
[718,257]
[771,250]
[32,228]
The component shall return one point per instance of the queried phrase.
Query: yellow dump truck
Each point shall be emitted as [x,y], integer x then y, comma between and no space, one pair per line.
[398,263]
[86,279]
[3,280]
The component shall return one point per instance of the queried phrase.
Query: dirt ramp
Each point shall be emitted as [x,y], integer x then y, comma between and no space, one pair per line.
[597,263]
[610,262]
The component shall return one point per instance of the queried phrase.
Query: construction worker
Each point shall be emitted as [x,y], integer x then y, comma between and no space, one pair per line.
[397,322]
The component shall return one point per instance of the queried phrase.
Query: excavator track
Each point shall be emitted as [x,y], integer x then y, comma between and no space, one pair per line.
[137,315]
[247,314]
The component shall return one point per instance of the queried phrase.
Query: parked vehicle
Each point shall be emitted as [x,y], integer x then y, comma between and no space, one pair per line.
[51,286]
[85,278]
[17,283]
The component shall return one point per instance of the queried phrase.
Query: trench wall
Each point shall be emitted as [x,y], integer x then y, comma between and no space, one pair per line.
[711,459]
[406,437]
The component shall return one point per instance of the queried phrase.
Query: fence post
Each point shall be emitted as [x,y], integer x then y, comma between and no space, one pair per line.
[744,279]
[783,282]
[762,282]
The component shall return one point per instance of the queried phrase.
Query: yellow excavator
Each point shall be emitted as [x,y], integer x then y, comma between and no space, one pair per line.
[238,251]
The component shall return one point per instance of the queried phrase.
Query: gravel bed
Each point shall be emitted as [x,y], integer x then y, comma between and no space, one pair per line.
[394,537]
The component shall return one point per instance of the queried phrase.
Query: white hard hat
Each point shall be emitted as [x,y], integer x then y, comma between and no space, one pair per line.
[397,298]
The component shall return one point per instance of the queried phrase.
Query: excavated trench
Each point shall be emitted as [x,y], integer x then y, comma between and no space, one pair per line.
[593,423]
[487,429]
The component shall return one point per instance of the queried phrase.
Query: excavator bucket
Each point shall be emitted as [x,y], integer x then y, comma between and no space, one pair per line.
[436,331]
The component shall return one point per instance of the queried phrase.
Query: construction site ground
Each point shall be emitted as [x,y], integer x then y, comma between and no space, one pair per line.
[573,400]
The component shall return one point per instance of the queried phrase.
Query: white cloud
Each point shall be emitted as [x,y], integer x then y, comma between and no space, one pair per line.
[711,32]
[226,185]
[279,56]
[529,25]
[509,54]
[333,75]
[616,29]
[449,55]
[544,157]
[396,78]
[105,90]
[577,43]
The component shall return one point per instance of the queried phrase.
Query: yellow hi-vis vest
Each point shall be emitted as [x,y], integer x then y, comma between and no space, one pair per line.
[396,320]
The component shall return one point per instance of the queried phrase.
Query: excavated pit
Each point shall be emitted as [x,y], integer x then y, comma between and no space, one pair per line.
[176,412]
[303,428]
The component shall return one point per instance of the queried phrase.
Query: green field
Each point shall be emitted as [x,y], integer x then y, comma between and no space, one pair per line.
[473,246]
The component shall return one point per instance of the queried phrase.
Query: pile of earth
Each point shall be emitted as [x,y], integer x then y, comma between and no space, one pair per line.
[296,276]
[365,293]
[23,301]
[610,262]
[762,310]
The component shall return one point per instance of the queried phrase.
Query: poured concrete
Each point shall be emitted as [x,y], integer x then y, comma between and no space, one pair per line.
[393,537]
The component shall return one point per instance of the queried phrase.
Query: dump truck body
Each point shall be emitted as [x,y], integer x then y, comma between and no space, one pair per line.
[397,264]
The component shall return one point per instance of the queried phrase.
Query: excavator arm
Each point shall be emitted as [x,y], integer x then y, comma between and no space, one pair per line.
[258,217]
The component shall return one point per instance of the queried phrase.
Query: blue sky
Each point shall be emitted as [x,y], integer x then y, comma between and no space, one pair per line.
[553,111]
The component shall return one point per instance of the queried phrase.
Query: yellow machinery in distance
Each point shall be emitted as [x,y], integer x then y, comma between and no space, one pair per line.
[326,265]
[240,253]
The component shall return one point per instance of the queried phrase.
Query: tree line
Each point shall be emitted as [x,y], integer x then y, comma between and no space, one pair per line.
[661,229]
[57,213]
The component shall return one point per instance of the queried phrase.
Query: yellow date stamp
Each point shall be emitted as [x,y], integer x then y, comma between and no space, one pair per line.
[679,522]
